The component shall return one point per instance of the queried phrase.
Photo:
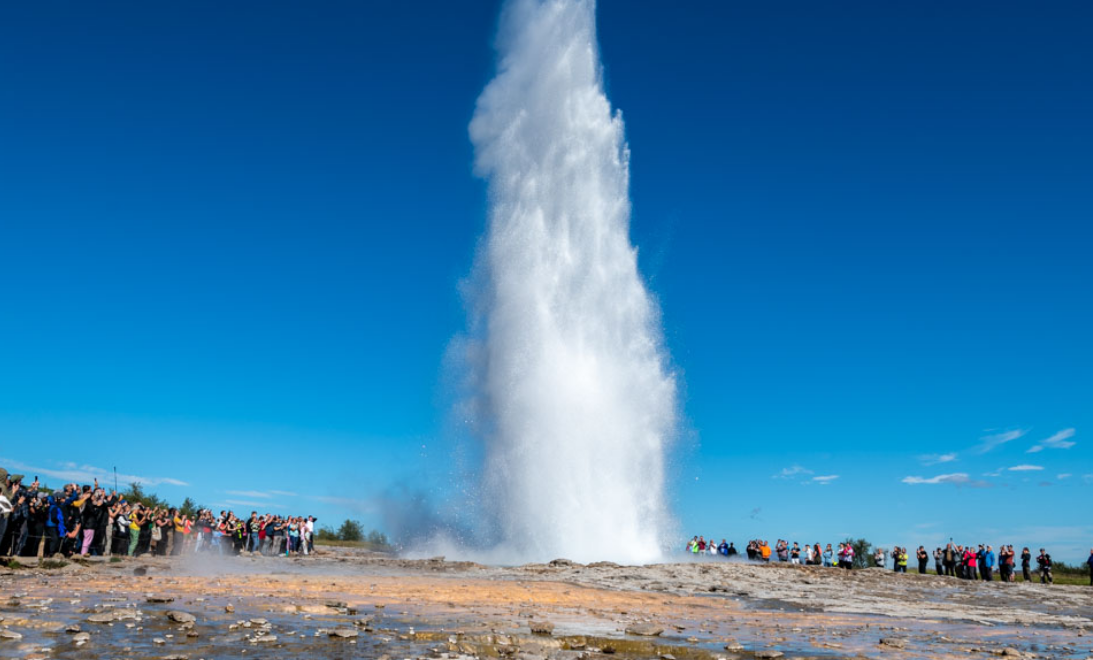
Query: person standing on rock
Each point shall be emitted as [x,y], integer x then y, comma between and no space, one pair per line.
[829,555]
[988,564]
[949,560]
[969,563]
[923,559]
[1044,563]
[878,558]
[1026,564]
[795,554]
[1089,562]
[9,486]
[938,559]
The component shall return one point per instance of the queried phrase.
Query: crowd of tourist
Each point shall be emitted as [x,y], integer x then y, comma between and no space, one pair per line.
[86,520]
[966,562]
[970,563]
[760,550]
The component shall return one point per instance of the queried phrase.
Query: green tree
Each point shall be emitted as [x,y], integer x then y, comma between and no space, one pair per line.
[862,552]
[377,538]
[189,509]
[326,534]
[351,530]
[136,493]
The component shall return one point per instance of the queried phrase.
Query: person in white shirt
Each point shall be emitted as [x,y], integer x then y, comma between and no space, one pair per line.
[309,528]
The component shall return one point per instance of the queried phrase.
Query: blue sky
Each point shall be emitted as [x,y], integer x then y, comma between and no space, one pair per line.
[232,239]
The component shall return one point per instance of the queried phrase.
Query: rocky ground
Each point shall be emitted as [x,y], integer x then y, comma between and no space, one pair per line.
[343,604]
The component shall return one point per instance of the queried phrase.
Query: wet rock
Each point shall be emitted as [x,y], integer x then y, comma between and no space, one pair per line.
[563,563]
[159,641]
[1011,653]
[230,609]
[74,628]
[101,617]
[768,655]
[893,642]
[181,617]
[9,634]
[343,633]
[159,599]
[265,639]
[733,646]
[174,657]
[644,629]
[80,639]
[336,604]
[545,628]
[140,570]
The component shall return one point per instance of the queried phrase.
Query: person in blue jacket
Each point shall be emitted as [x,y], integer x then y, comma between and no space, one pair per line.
[1090,562]
[55,526]
[988,564]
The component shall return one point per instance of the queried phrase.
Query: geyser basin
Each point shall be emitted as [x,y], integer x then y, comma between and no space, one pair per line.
[575,402]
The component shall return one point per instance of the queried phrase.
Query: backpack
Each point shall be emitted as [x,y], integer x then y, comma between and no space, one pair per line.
[157,533]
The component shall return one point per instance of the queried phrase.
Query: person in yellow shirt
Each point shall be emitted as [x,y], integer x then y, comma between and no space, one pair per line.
[180,531]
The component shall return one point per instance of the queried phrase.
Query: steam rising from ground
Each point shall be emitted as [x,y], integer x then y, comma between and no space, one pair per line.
[571,393]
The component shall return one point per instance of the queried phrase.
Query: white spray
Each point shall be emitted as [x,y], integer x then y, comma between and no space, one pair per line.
[572,393]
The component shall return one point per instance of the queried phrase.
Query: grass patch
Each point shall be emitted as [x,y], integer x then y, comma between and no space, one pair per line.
[364,545]
[115,560]
[52,564]
[1067,575]
[12,564]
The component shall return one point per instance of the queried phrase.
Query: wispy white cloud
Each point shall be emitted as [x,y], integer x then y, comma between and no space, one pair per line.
[955,478]
[249,493]
[1025,468]
[990,442]
[825,479]
[1060,440]
[937,459]
[85,474]
[284,493]
[791,472]
[246,503]
[1065,475]
[362,506]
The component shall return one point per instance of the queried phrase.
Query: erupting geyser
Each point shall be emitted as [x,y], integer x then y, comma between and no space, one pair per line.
[572,390]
